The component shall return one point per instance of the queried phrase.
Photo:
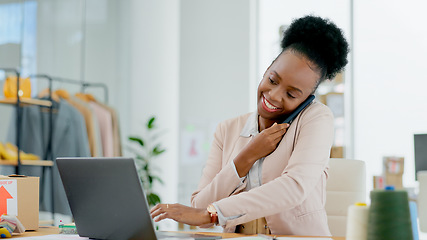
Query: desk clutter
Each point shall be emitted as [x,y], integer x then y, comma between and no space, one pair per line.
[388,217]
[19,196]
[9,225]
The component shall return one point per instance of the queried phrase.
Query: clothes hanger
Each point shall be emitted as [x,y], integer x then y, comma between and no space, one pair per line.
[45,93]
[62,93]
[91,97]
[82,96]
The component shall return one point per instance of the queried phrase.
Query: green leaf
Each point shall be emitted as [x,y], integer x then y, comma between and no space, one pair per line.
[158,179]
[153,199]
[137,139]
[157,151]
[142,158]
[150,123]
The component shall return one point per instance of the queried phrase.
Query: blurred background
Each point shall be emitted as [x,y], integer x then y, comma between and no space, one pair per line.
[194,63]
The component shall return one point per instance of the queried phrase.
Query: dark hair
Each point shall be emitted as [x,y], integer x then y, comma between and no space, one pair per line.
[321,41]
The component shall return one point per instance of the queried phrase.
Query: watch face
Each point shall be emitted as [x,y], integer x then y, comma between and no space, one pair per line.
[211,209]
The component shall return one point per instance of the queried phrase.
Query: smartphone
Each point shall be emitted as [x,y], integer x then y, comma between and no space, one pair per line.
[294,114]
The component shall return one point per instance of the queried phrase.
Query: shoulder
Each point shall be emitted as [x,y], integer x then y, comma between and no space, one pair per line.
[317,110]
[233,126]
[236,122]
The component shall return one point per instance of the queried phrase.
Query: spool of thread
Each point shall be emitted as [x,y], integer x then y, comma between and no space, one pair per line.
[414,217]
[389,216]
[357,222]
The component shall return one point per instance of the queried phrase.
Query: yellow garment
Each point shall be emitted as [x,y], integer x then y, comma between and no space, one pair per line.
[9,152]
[9,87]
[4,233]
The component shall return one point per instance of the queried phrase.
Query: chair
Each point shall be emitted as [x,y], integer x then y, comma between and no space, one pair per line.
[345,186]
[422,200]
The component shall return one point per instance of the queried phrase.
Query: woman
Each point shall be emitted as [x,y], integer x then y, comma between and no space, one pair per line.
[257,178]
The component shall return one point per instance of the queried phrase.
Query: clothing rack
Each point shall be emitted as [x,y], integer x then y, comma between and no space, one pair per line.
[19,101]
[83,84]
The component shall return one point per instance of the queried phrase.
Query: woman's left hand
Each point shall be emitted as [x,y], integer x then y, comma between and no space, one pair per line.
[181,213]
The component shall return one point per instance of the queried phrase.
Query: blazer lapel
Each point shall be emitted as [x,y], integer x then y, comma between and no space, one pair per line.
[275,163]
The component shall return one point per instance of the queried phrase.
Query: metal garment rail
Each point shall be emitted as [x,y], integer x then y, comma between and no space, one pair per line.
[84,85]
[50,79]
[18,116]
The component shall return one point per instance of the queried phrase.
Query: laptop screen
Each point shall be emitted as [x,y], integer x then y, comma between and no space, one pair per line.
[106,198]
[420,150]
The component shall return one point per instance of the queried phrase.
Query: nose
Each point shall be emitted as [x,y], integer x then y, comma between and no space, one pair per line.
[276,94]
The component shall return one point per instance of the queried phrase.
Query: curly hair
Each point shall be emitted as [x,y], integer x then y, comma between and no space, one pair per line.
[321,41]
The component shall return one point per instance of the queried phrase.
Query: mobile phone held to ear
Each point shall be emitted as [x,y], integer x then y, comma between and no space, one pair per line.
[301,107]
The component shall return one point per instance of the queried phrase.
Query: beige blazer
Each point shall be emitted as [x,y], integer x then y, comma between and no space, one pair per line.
[293,191]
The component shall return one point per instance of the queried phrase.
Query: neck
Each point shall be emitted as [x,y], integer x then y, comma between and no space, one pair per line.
[264,123]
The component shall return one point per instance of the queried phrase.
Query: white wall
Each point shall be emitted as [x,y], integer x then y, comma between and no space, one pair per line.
[153,87]
[214,78]
[389,81]
[274,13]
[59,38]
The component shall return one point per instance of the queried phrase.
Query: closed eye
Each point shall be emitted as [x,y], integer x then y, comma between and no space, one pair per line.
[290,95]
[272,81]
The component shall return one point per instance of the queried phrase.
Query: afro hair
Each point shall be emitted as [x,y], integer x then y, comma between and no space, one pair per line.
[321,41]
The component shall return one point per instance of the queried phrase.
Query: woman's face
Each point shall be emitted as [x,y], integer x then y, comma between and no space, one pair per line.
[289,80]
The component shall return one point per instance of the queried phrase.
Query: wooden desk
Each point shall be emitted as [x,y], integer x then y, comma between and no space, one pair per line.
[54,230]
[234,235]
[42,231]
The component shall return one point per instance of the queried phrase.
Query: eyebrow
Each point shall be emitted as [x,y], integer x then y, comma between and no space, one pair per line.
[294,88]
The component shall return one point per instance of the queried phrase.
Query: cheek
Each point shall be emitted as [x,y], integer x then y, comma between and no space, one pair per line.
[262,86]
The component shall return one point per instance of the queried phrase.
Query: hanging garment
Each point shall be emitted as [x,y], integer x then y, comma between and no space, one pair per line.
[84,100]
[106,128]
[97,133]
[117,144]
[69,139]
[88,116]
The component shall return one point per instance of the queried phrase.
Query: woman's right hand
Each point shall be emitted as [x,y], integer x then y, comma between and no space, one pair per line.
[260,146]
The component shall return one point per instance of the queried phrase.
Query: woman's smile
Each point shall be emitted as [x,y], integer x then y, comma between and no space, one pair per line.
[269,107]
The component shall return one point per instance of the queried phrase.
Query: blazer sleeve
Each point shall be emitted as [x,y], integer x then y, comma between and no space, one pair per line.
[306,165]
[219,179]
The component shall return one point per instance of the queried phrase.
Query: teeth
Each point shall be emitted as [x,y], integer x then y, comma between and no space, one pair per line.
[269,105]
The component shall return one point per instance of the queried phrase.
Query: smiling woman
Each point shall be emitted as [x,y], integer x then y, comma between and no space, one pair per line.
[265,176]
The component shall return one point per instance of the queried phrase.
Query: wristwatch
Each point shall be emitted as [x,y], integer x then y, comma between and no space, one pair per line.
[214,215]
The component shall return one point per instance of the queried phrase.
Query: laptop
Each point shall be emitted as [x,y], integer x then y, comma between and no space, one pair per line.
[107,200]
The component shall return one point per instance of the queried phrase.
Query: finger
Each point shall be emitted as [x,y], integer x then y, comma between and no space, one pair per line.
[159,209]
[279,133]
[156,213]
[159,206]
[277,127]
[162,217]
[154,208]
[282,126]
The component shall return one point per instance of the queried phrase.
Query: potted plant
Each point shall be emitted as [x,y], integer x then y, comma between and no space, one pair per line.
[148,149]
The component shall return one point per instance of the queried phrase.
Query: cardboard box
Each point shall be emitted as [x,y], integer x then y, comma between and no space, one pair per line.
[393,168]
[19,196]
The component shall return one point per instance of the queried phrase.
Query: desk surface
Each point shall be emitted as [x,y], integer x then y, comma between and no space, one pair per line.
[54,230]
